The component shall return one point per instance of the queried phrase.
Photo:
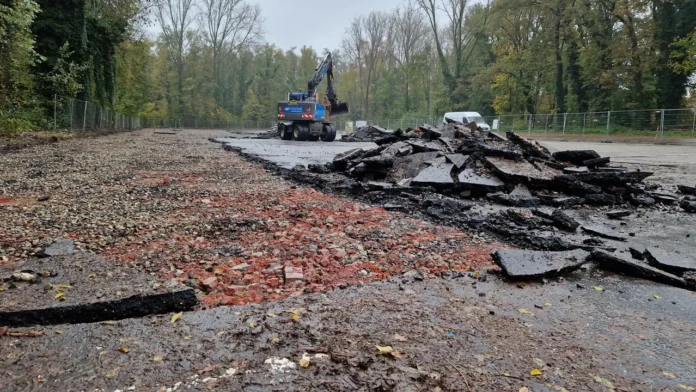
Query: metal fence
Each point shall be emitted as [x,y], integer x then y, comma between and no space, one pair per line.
[656,123]
[73,114]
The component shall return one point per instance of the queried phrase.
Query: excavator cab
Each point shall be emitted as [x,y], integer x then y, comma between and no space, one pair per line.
[297,97]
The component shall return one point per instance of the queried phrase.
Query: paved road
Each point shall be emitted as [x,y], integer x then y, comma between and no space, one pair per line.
[289,153]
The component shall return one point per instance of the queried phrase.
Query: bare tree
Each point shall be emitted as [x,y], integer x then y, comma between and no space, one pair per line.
[229,26]
[364,46]
[175,18]
[460,36]
[410,37]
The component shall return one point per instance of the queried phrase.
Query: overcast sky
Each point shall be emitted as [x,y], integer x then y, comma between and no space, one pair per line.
[319,24]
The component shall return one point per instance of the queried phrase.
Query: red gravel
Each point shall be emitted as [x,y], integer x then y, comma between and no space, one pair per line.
[190,211]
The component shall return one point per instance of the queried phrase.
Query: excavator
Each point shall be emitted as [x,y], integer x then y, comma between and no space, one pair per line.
[306,117]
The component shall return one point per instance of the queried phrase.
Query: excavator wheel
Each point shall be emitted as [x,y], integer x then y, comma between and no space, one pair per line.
[283,132]
[301,132]
[329,133]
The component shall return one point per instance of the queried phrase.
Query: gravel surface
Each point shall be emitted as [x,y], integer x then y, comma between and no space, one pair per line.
[179,207]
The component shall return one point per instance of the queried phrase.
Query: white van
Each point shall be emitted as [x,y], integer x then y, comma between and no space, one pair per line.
[467,117]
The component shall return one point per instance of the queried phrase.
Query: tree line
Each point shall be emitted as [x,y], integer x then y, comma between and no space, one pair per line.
[211,60]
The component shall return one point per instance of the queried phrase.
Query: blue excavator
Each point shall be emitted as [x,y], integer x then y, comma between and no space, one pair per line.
[306,117]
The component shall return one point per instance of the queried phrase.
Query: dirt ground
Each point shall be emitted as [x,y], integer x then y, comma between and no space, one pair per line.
[179,207]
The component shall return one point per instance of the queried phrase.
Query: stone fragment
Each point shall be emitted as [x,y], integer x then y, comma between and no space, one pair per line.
[670,262]
[638,269]
[595,163]
[577,157]
[526,264]
[293,275]
[458,160]
[470,179]
[435,175]
[618,214]
[604,232]
[59,248]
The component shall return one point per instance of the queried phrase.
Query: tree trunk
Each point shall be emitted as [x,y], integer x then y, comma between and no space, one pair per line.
[560,90]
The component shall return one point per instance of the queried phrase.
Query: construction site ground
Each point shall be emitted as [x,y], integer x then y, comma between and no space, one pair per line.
[390,301]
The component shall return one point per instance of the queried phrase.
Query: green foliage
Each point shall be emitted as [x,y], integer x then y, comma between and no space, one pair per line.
[64,79]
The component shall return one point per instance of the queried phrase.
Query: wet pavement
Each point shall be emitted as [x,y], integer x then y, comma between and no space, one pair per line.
[289,153]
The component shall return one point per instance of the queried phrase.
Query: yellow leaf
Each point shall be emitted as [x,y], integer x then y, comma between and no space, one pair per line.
[123,340]
[92,276]
[525,312]
[397,354]
[598,288]
[272,315]
[158,358]
[1,289]
[685,387]
[124,350]
[103,352]
[669,374]
[64,286]
[59,332]
[221,333]
[118,293]
[295,317]
[108,323]
[60,297]
[604,382]
[177,317]
[252,324]
[524,389]
[187,338]
[112,373]
[656,296]
[385,349]
[304,363]
[238,313]
[275,340]
[535,372]
[547,303]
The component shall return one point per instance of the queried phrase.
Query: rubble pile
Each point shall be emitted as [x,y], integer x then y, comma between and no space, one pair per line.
[464,162]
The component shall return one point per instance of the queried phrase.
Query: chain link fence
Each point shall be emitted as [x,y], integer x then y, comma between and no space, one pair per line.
[75,115]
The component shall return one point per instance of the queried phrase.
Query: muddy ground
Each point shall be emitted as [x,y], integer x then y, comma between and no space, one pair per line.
[147,200]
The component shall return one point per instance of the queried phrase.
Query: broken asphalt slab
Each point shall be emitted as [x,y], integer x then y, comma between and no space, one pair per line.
[58,248]
[527,264]
[289,153]
[604,232]
[638,269]
[435,175]
[670,262]
[82,288]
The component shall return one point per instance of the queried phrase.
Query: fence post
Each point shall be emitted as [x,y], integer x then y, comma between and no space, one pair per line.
[546,127]
[608,121]
[693,126]
[662,123]
[565,120]
[84,118]
[584,121]
[529,124]
[55,112]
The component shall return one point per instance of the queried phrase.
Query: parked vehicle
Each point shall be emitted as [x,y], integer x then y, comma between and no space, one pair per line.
[467,117]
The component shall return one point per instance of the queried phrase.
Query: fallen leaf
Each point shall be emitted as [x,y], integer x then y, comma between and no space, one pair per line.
[108,323]
[669,374]
[524,389]
[383,350]
[123,340]
[103,352]
[275,340]
[252,324]
[158,358]
[1,288]
[598,288]
[295,317]
[112,373]
[535,372]
[221,333]
[304,363]
[59,332]
[547,303]
[64,287]
[124,350]
[187,338]
[656,296]
[92,276]
[60,297]
[686,387]
[525,312]
[604,382]
[177,317]
[397,354]
[272,315]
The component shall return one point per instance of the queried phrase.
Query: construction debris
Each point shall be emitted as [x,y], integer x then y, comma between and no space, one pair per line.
[673,263]
[525,264]
[639,269]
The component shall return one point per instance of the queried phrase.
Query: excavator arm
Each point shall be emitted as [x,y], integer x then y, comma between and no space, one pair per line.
[325,69]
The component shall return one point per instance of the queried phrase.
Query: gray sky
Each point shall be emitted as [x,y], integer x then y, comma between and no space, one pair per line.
[320,24]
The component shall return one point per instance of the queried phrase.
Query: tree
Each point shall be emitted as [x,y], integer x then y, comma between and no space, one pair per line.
[410,39]
[229,26]
[175,18]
